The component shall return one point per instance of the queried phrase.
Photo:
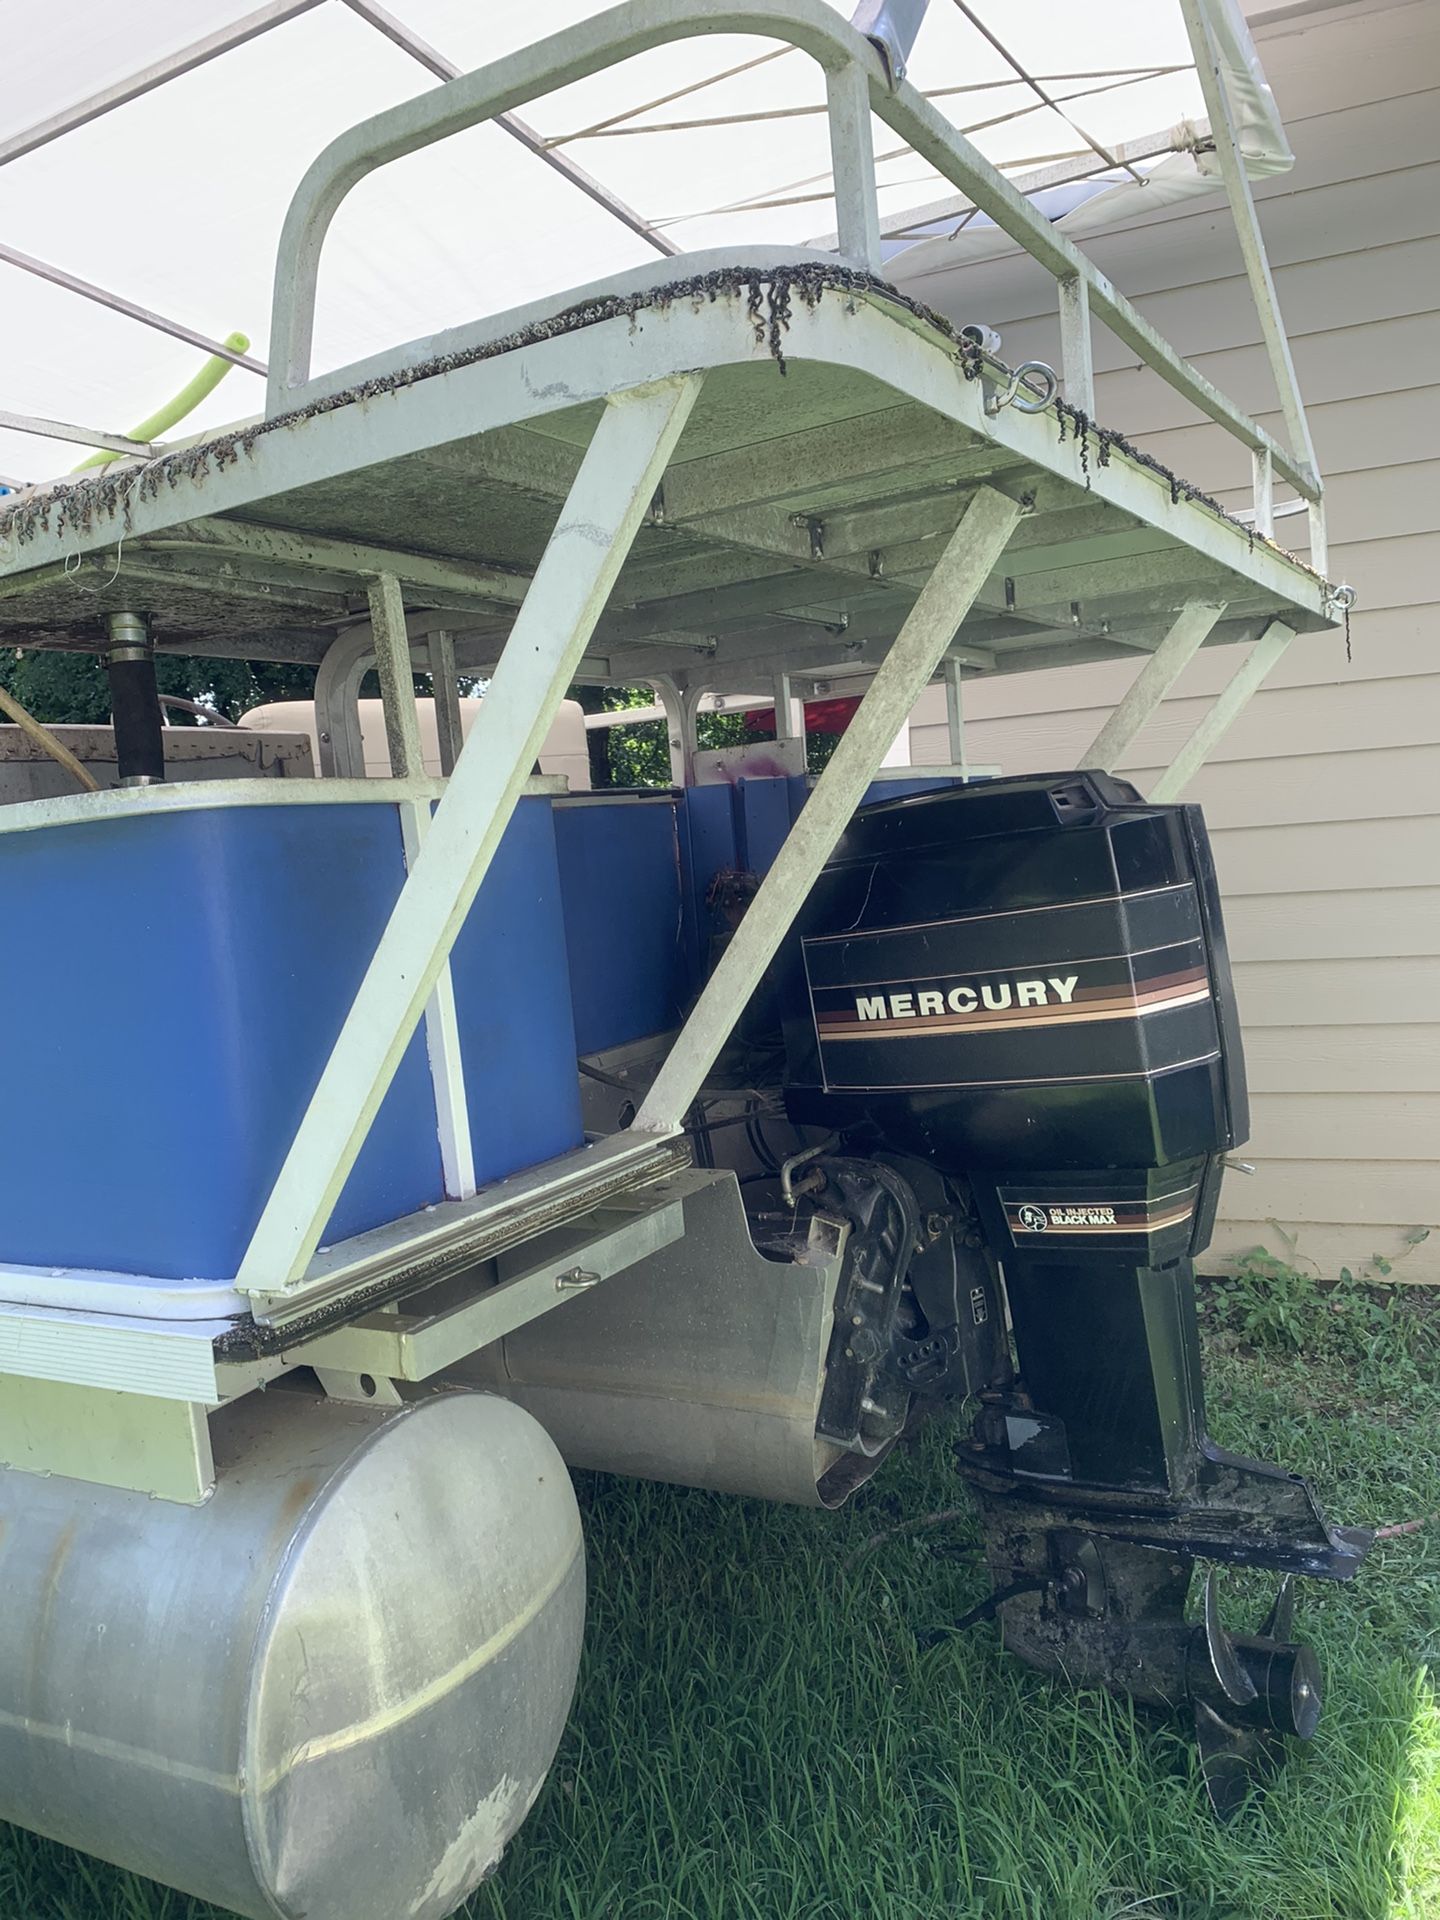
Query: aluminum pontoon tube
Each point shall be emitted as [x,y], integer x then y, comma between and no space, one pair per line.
[134,701]
[332,1691]
[703,1364]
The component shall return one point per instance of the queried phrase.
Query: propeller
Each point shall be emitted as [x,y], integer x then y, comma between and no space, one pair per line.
[1251,1692]
[1281,1618]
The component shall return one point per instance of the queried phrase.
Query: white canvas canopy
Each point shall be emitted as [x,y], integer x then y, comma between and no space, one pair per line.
[148,152]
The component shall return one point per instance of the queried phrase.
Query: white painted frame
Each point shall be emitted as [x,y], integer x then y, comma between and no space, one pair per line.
[617,479]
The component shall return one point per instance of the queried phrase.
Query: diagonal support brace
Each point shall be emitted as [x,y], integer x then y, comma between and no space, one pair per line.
[930,627]
[1191,629]
[617,479]
[1229,703]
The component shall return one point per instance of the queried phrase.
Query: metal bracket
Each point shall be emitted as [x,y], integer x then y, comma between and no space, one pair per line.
[111,1437]
[363,1389]
[441,1327]
[891,26]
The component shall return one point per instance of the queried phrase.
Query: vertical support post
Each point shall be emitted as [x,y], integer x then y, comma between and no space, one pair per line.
[1160,672]
[1319,540]
[134,701]
[1231,700]
[397,680]
[789,710]
[691,701]
[955,717]
[442,1022]
[1263,468]
[1077,359]
[679,730]
[852,162]
[929,628]
[622,466]
[445,692]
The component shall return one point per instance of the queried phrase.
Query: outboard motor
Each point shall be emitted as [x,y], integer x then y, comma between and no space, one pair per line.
[1012,1003]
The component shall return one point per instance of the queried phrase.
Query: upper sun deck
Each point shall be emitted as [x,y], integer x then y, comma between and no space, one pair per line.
[840,433]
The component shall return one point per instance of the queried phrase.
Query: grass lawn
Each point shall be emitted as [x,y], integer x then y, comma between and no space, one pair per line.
[756,1736]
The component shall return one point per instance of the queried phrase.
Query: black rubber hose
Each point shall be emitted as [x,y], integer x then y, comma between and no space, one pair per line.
[135,708]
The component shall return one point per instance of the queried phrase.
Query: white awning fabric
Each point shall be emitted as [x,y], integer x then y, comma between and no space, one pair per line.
[174,199]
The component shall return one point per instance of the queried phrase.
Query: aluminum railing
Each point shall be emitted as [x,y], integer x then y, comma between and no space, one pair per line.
[859,81]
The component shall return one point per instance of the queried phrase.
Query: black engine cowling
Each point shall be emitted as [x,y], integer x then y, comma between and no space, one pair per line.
[1028,980]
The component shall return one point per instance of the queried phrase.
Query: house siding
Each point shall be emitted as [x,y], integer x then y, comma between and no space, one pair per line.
[1324,798]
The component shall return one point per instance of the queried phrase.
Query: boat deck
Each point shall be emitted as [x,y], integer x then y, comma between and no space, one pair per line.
[839,436]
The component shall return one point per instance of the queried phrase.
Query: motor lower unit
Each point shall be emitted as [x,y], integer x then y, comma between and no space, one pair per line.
[1012,1003]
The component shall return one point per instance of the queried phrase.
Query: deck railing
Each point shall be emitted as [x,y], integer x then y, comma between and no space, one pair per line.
[858,82]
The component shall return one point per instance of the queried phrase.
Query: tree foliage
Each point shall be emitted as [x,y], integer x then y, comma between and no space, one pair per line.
[639,755]
[61,688]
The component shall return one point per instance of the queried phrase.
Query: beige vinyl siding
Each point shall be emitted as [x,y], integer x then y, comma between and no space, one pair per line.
[1324,799]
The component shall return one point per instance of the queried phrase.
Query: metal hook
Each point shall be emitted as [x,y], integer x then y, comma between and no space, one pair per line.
[1031,388]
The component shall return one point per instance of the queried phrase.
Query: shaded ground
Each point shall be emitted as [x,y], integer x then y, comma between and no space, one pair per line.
[757,1737]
